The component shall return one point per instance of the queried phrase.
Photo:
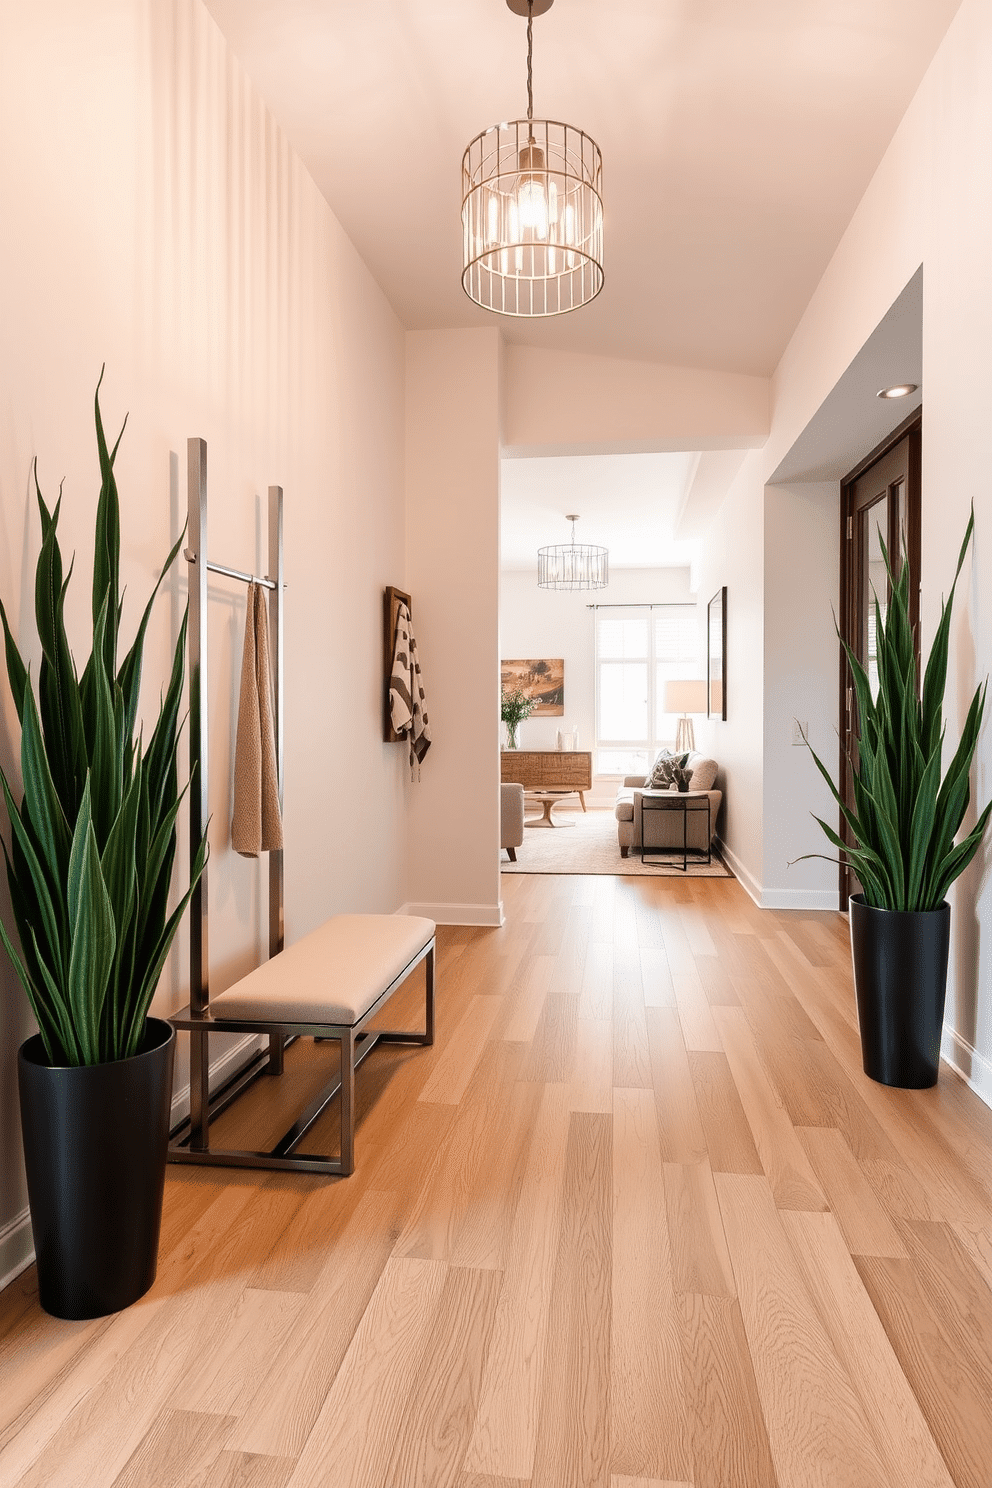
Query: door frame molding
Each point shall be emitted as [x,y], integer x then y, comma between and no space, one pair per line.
[912,426]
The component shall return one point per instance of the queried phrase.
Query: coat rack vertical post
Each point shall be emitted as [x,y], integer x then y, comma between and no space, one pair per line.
[199,735]
[199,807]
[277,918]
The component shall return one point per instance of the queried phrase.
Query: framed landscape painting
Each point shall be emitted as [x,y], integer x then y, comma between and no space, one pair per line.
[542,679]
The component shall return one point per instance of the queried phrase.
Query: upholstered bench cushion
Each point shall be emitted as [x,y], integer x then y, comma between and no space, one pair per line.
[332,975]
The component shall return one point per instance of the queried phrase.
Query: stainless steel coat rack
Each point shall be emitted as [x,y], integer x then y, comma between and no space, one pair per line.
[191,1137]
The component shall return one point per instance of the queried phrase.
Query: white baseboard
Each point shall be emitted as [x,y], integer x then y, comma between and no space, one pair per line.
[974,1068]
[800,899]
[16,1247]
[458,914]
[777,898]
[744,878]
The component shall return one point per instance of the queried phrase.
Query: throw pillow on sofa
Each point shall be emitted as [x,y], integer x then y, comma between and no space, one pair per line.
[703,773]
[663,772]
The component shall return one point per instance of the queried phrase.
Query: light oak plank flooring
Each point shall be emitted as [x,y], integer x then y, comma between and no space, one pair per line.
[638,1220]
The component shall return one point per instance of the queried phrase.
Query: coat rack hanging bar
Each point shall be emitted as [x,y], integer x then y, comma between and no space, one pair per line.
[231,573]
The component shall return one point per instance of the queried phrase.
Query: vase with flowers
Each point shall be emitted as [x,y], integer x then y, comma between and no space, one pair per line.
[514,707]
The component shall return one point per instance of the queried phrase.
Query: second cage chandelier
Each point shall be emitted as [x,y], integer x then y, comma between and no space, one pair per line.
[532,210]
[573,565]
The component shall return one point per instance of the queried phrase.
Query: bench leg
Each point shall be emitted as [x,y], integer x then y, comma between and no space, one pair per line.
[199,1092]
[277,1048]
[347,1102]
[429,1009]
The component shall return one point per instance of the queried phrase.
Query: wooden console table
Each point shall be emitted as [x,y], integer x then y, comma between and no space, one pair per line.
[548,769]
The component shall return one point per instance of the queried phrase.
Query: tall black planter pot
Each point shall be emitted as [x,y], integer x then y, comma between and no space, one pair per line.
[95,1142]
[900,977]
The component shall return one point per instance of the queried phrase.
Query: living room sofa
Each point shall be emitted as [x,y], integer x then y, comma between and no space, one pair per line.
[668,827]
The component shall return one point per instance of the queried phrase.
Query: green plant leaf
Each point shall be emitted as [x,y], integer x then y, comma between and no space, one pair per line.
[129,676]
[107,543]
[160,757]
[921,829]
[17,673]
[65,1041]
[864,862]
[905,817]
[61,709]
[958,859]
[44,809]
[105,780]
[156,870]
[50,921]
[91,918]
[157,959]
[38,1005]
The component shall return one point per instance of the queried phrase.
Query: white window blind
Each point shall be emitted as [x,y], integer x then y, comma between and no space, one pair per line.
[638,650]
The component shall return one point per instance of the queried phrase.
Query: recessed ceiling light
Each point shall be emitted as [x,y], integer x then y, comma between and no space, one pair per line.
[901,390]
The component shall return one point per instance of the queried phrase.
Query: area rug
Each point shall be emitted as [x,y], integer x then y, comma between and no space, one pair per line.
[590,846]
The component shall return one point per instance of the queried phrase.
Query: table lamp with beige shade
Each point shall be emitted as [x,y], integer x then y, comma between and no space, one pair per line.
[685,697]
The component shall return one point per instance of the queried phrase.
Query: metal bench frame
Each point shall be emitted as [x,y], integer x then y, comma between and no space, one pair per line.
[190,1143]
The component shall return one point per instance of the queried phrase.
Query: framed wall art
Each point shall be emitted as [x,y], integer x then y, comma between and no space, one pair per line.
[716,655]
[541,679]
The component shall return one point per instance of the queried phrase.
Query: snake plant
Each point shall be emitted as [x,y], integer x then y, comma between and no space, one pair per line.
[93,838]
[906,815]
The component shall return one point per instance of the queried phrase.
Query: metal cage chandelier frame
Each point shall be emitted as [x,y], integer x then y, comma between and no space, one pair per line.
[573,565]
[532,210]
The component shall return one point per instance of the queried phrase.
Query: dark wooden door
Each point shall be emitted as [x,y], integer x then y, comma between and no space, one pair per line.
[880,501]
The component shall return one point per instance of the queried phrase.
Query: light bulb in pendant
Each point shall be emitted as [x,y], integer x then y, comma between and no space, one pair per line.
[536,196]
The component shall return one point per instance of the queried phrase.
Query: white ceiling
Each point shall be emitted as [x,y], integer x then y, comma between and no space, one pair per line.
[627,503]
[738,136]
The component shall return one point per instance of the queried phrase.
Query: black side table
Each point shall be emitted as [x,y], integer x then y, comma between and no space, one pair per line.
[688,803]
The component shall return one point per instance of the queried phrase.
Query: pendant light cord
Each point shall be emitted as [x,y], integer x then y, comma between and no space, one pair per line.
[530,70]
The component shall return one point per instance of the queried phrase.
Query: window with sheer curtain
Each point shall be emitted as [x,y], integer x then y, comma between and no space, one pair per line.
[638,649]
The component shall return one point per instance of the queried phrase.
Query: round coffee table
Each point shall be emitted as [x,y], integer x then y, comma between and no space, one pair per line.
[547,799]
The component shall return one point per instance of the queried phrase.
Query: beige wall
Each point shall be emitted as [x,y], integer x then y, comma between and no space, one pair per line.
[559,402]
[802,560]
[155,218]
[453,390]
[733,555]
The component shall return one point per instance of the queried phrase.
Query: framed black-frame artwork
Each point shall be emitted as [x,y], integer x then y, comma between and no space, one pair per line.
[716,655]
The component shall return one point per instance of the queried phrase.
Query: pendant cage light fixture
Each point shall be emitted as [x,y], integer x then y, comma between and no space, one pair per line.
[573,565]
[532,210]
